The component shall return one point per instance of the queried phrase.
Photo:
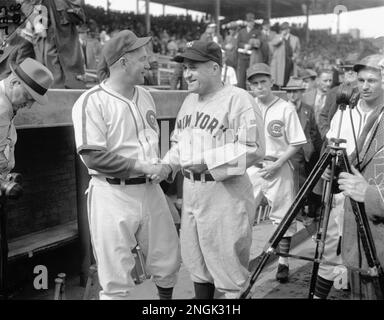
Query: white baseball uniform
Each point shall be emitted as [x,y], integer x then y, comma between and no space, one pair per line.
[216,223]
[282,128]
[336,218]
[120,215]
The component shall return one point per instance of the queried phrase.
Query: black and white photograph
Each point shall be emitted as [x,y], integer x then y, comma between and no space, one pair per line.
[192,156]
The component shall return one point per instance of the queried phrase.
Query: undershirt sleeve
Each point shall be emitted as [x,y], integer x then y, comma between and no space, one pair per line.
[108,163]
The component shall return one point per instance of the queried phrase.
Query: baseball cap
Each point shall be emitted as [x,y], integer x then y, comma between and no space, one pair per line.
[294,84]
[201,51]
[35,77]
[123,42]
[371,61]
[284,25]
[258,68]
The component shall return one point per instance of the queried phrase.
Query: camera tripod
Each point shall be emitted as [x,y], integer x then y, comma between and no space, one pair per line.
[335,157]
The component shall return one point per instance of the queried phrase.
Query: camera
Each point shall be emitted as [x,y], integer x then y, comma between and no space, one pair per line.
[10,187]
[347,95]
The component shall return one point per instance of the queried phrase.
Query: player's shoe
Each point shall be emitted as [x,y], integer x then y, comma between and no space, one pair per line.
[282,273]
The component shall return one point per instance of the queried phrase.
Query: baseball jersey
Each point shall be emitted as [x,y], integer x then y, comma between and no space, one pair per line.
[282,127]
[105,120]
[346,131]
[8,136]
[219,131]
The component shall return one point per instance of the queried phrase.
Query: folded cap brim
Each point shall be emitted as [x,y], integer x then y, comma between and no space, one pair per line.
[40,99]
[139,43]
[358,67]
[191,56]
[258,73]
[292,88]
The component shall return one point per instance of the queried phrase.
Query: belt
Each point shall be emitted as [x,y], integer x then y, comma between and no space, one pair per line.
[267,158]
[198,176]
[138,180]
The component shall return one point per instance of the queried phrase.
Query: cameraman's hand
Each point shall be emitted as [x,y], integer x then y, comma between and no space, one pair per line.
[353,185]
[327,174]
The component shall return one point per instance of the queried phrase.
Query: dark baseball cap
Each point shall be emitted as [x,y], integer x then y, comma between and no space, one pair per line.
[371,62]
[258,68]
[123,42]
[201,51]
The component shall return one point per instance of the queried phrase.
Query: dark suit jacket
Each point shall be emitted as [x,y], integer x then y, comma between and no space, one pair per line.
[311,149]
[328,111]
[309,97]
[15,53]
[243,38]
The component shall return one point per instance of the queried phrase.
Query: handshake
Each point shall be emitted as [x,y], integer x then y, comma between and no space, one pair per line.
[157,172]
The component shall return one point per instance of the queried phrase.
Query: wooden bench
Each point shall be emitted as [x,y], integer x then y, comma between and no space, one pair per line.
[49,238]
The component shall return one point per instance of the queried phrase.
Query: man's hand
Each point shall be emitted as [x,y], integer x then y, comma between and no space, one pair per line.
[196,168]
[327,174]
[269,170]
[353,185]
[159,172]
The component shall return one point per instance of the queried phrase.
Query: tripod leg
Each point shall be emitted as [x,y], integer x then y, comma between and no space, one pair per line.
[293,210]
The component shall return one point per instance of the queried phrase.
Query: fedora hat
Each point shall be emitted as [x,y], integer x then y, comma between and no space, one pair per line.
[35,77]
[294,84]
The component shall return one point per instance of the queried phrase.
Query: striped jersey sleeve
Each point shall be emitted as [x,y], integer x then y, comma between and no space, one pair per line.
[89,123]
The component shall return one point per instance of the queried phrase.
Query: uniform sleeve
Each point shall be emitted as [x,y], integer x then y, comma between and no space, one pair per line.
[89,125]
[294,131]
[247,145]
[172,157]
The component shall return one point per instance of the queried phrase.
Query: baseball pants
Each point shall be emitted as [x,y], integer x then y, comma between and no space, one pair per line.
[122,216]
[216,232]
[334,231]
[279,191]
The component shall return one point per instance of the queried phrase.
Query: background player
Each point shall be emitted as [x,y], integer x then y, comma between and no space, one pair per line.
[283,138]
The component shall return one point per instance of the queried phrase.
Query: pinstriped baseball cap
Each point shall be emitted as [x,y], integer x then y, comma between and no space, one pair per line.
[201,51]
[123,42]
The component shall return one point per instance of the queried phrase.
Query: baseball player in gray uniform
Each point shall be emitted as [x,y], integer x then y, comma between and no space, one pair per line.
[284,136]
[218,134]
[117,138]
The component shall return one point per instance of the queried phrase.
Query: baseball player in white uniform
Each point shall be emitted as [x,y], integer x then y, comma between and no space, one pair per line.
[218,134]
[284,136]
[117,138]
[352,122]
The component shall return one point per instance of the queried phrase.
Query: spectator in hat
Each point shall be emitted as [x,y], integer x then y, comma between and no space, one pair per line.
[211,34]
[28,83]
[90,47]
[330,105]
[316,98]
[230,45]
[244,48]
[309,79]
[267,35]
[305,159]
[285,55]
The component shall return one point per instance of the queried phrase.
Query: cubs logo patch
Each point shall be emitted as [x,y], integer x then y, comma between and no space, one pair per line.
[151,119]
[275,127]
